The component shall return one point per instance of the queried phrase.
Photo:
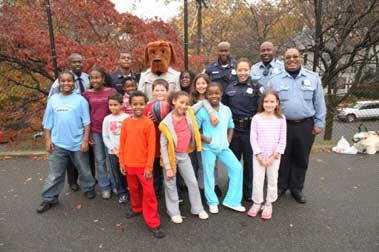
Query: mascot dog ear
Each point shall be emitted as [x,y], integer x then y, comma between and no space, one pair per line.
[173,55]
[147,61]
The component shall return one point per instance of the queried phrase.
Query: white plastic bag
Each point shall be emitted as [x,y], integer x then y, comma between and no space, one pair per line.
[344,147]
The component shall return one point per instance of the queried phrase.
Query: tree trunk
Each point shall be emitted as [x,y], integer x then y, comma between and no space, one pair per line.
[329,120]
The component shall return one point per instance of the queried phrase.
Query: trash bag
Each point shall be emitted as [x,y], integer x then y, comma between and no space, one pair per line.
[344,147]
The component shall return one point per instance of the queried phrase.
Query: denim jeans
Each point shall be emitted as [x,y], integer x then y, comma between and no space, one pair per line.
[119,179]
[99,150]
[58,160]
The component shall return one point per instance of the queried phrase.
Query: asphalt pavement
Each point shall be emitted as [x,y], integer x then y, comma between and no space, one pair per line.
[341,215]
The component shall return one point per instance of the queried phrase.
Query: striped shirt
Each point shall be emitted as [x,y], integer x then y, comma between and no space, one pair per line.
[268,134]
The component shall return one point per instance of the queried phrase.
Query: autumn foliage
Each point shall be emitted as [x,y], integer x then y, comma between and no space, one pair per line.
[92,28]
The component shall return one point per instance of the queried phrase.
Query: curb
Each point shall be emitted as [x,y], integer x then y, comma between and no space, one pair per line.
[22,153]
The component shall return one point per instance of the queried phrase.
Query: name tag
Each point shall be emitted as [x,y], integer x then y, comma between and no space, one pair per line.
[275,70]
[307,83]
[215,72]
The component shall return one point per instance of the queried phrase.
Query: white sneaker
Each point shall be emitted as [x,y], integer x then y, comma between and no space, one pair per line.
[235,208]
[213,209]
[203,215]
[177,219]
[106,194]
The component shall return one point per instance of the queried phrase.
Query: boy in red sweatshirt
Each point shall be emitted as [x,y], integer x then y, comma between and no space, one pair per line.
[137,152]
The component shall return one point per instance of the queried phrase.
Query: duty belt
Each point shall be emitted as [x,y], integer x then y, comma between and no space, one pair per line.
[242,122]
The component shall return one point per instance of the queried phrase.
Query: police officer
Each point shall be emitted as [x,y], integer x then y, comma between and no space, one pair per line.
[268,66]
[303,104]
[76,63]
[124,71]
[222,70]
[242,97]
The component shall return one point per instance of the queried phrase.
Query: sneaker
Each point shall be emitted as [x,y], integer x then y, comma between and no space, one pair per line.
[123,199]
[157,232]
[213,209]
[177,219]
[74,187]
[267,212]
[235,208]
[90,194]
[106,194]
[254,210]
[130,214]
[45,206]
[203,215]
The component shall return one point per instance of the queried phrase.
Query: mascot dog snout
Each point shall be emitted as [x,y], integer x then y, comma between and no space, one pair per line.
[159,55]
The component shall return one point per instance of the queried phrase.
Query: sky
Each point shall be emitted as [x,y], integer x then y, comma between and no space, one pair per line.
[148,8]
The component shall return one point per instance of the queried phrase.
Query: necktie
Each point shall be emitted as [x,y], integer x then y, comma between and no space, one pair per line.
[81,86]
[266,71]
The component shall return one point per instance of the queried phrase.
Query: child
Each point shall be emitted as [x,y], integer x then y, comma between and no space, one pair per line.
[137,149]
[186,78]
[160,91]
[268,139]
[129,86]
[199,88]
[242,98]
[67,126]
[97,98]
[111,136]
[180,135]
[216,145]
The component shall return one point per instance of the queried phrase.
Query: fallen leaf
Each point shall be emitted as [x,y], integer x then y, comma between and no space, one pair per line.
[28,179]
[78,206]
[96,220]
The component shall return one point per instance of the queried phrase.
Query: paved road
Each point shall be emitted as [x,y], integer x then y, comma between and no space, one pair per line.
[341,215]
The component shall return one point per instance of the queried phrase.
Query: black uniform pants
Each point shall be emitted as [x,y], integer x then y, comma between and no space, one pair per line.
[72,172]
[294,162]
[241,147]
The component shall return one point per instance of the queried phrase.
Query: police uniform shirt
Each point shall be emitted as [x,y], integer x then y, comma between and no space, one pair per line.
[222,74]
[242,99]
[262,73]
[85,81]
[118,80]
[301,97]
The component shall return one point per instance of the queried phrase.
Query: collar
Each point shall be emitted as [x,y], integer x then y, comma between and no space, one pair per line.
[301,73]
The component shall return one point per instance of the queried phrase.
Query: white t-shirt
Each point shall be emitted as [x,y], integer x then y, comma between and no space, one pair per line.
[111,130]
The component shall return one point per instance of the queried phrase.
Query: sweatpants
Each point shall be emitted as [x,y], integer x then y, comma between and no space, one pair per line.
[171,192]
[258,181]
[142,196]
[235,174]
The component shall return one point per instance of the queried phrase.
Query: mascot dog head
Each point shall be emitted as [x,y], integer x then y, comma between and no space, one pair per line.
[159,55]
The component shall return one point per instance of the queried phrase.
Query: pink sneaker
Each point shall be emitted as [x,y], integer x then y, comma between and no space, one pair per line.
[267,212]
[254,210]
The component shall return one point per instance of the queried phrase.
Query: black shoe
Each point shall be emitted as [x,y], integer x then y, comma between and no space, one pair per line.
[130,214]
[74,187]
[299,197]
[157,232]
[281,192]
[218,191]
[90,194]
[45,206]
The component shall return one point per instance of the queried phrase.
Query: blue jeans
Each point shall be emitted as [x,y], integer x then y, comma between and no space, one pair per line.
[99,151]
[119,179]
[235,174]
[58,160]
